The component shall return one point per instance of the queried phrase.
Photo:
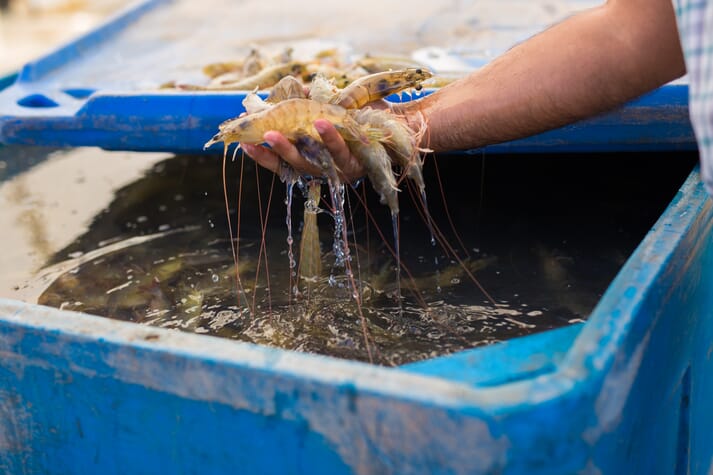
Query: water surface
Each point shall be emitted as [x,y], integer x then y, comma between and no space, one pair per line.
[544,236]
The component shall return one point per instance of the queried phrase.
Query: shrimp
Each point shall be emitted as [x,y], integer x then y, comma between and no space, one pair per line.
[342,78]
[252,64]
[378,165]
[268,77]
[400,140]
[214,70]
[377,64]
[322,89]
[286,88]
[377,86]
[310,267]
[254,104]
[293,118]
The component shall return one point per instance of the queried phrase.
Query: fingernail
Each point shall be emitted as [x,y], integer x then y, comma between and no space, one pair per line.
[270,142]
[320,126]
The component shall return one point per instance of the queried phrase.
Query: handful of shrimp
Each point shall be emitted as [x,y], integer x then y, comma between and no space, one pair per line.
[378,138]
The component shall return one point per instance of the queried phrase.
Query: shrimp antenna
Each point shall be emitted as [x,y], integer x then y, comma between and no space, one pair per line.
[234,245]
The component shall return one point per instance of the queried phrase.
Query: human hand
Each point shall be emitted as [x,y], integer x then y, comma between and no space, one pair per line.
[350,169]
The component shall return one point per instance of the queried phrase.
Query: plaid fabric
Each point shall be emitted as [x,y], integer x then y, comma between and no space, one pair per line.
[695,26]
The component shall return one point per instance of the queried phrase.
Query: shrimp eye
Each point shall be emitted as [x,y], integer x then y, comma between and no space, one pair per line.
[419,71]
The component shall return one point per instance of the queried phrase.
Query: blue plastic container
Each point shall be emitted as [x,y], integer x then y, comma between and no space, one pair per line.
[627,392]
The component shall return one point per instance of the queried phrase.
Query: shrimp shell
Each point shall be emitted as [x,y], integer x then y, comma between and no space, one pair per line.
[310,253]
[286,88]
[400,140]
[214,70]
[254,104]
[378,86]
[378,168]
[293,118]
[322,89]
[377,64]
[268,77]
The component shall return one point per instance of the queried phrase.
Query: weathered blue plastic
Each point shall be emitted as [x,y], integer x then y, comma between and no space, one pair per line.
[626,393]
[58,101]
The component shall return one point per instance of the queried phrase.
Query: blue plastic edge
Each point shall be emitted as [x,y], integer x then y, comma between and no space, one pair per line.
[183,123]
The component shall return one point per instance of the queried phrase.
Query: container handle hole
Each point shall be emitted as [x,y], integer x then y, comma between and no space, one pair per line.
[79,93]
[37,101]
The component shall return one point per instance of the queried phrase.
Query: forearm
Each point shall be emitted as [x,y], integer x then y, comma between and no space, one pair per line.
[587,64]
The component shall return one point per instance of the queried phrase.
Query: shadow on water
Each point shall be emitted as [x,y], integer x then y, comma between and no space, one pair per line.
[544,235]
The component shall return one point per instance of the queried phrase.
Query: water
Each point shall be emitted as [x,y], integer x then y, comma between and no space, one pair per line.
[544,239]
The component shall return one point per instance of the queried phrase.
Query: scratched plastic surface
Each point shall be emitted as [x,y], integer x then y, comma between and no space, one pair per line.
[102,89]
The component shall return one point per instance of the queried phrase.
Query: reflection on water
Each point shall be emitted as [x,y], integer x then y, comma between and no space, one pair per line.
[544,238]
